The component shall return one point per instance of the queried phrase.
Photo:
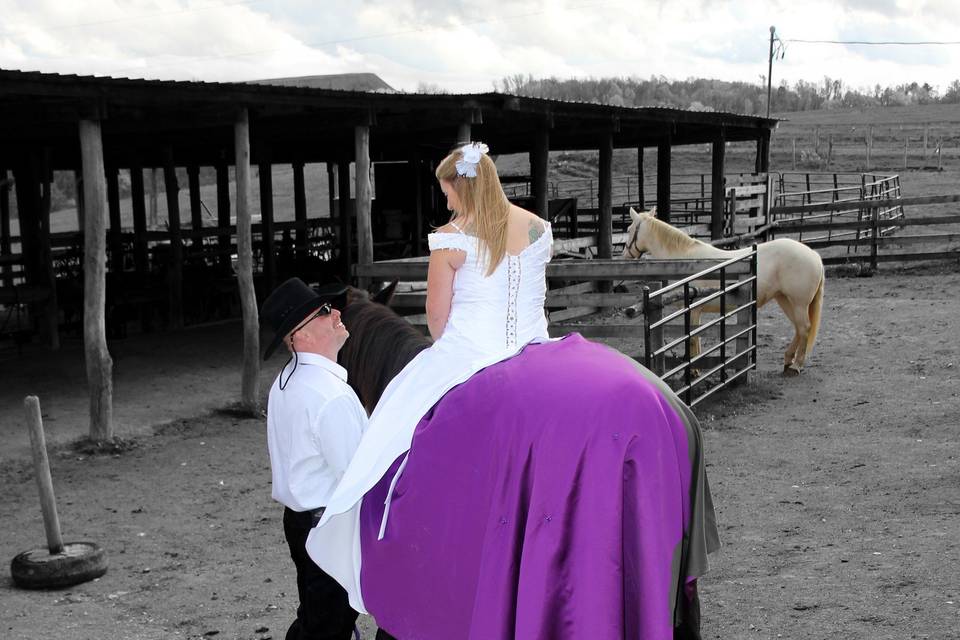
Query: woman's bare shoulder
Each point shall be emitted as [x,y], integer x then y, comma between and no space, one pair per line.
[532,224]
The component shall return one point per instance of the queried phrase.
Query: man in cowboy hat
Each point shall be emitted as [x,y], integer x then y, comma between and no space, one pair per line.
[314,422]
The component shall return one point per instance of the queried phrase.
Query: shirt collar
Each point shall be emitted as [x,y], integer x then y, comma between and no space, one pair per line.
[318,360]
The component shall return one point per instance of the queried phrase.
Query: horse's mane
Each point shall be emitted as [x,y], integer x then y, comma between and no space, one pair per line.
[381,343]
[670,238]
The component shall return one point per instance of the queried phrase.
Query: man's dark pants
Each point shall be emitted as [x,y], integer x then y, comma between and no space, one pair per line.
[324,612]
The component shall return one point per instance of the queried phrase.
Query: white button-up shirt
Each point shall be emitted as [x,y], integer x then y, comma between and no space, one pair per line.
[314,425]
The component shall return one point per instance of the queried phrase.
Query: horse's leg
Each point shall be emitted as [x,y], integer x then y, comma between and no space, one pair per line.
[791,352]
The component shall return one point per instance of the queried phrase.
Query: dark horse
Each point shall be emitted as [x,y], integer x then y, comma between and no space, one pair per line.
[564,517]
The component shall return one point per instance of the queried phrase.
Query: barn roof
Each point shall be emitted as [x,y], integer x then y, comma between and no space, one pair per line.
[307,123]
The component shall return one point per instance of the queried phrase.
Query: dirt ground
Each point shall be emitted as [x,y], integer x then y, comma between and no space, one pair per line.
[838,492]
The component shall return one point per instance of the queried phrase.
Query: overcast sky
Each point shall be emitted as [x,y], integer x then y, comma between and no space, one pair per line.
[465,46]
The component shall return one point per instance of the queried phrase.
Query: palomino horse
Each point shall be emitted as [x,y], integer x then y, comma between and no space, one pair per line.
[560,493]
[787,271]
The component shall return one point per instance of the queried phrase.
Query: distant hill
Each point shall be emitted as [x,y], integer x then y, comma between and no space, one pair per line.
[343,82]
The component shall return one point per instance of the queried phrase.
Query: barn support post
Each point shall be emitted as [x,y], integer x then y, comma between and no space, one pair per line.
[363,199]
[51,312]
[175,267]
[762,163]
[417,169]
[718,185]
[6,271]
[300,209]
[116,225]
[28,207]
[463,133]
[223,215]
[641,196]
[663,177]
[346,225]
[137,195]
[78,191]
[196,207]
[539,167]
[99,365]
[267,245]
[250,379]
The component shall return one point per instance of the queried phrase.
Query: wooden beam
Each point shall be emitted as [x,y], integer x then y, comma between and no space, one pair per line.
[663,179]
[6,271]
[223,213]
[175,267]
[266,221]
[605,197]
[300,208]
[99,364]
[363,195]
[250,378]
[641,196]
[717,186]
[196,206]
[539,169]
[346,225]
[140,258]
[48,276]
[116,224]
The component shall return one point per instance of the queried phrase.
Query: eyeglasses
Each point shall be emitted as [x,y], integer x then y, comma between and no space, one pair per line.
[325,309]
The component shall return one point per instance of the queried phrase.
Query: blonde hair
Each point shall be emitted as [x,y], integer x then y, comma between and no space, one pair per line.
[483,200]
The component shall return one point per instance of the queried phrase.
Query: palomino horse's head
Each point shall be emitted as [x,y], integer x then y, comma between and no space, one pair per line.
[636,244]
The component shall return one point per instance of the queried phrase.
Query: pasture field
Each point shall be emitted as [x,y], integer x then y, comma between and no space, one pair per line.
[836,491]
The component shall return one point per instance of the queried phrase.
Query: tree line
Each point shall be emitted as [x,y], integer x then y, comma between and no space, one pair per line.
[721,95]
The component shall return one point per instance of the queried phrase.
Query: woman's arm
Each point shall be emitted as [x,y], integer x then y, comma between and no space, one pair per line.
[443,266]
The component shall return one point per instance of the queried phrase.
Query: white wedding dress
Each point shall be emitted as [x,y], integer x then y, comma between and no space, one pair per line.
[491,319]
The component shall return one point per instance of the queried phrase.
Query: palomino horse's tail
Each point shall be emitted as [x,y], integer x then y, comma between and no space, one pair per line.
[814,313]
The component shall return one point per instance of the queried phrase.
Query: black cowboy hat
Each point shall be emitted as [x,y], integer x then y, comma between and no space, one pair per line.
[291,303]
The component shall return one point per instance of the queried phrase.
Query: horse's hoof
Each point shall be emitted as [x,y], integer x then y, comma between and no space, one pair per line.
[790,372]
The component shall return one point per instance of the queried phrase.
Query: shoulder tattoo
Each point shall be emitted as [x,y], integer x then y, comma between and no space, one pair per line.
[535,230]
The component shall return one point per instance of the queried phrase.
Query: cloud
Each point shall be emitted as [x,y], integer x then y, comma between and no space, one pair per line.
[466,46]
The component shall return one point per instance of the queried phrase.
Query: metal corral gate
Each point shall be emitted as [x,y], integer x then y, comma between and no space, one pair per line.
[662,320]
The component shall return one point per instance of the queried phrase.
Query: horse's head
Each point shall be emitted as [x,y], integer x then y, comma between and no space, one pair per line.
[381,343]
[636,244]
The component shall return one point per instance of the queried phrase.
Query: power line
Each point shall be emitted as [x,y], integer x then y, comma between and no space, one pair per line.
[877,42]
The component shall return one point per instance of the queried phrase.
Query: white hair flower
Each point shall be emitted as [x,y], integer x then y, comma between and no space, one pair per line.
[467,166]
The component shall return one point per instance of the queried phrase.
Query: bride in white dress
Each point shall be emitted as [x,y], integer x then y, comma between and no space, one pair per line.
[485,292]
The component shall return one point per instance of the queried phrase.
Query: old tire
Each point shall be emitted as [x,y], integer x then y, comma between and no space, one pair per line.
[39,569]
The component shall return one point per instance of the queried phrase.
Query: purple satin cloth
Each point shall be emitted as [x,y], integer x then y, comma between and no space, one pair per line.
[547,497]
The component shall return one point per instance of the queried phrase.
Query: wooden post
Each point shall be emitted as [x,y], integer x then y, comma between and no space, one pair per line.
[641,196]
[46,272]
[463,133]
[5,245]
[794,155]
[866,142]
[718,185]
[363,201]
[763,160]
[175,268]
[196,207]
[346,224]
[250,382]
[116,224]
[926,135]
[663,179]
[906,140]
[539,164]
[140,259]
[223,214]
[875,237]
[98,361]
[417,201]
[41,466]
[154,220]
[605,199]
[939,153]
[266,223]
[78,190]
[300,209]
[829,150]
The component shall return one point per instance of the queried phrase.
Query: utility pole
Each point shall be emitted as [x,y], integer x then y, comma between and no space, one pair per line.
[773,31]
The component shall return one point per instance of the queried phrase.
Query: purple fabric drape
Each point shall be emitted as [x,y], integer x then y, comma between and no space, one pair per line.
[547,497]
